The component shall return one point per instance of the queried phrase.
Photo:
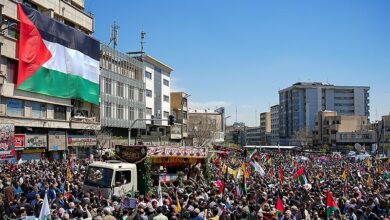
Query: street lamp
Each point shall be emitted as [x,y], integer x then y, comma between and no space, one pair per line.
[185,98]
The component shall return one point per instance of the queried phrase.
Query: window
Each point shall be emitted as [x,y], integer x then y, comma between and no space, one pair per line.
[99,177]
[122,177]
[119,89]
[11,70]
[148,75]
[166,98]
[140,95]
[12,30]
[107,86]
[59,112]
[149,111]
[166,82]
[38,110]
[166,114]
[140,113]
[131,92]
[184,115]
[131,113]
[119,111]
[107,109]
[148,93]
[15,107]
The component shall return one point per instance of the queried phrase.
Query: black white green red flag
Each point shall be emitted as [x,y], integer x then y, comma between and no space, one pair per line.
[55,59]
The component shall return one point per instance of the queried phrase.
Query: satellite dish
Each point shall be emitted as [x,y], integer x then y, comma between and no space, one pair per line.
[358,147]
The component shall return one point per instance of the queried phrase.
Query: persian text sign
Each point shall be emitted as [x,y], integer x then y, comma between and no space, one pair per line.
[7,134]
[81,141]
[36,140]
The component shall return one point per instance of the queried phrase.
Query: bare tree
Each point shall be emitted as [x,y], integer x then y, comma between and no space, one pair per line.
[202,132]
[102,136]
[301,136]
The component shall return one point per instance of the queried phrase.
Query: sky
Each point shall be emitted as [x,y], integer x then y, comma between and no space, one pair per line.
[238,54]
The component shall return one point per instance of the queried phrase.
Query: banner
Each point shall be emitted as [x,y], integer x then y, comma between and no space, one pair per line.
[190,152]
[19,141]
[57,140]
[36,140]
[7,135]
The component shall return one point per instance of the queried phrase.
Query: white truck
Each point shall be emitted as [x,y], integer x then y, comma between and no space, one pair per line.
[110,178]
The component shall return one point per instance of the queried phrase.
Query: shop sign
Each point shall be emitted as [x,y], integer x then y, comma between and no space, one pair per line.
[168,151]
[7,135]
[57,140]
[33,151]
[36,140]
[19,141]
[81,141]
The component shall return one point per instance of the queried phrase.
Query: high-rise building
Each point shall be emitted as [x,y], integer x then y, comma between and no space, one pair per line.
[122,93]
[274,125]
[43,121]
[300,103]
[253,136]
[157,94]
[265,128]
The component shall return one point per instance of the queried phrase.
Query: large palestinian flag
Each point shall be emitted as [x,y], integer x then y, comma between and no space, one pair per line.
[55,59]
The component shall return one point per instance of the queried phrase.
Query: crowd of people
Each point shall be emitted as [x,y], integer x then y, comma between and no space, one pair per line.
[360,189]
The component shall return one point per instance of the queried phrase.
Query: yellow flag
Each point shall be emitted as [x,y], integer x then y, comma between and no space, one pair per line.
[244,170]
[269,161]
[68,174]
[368,162]
[379,166]
[344,175]
[388,160]
[178,206]
[369,181]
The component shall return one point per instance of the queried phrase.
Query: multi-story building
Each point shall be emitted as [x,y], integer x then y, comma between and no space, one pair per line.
[157,94]
[342,131]
[122,93]
[236,134]
[265,128]
[253,135]
[274,125]
[300,103]
[43,123]
[206,127]
[384,134]
[179,109]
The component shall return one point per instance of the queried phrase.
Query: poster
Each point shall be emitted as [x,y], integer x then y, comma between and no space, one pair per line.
[81,140]
[57,140]
[36,140]
[19,141]
[7,135]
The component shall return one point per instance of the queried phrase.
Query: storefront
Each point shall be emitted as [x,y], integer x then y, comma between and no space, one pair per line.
[7,150]
[57,145]
[35,147]
[81,146]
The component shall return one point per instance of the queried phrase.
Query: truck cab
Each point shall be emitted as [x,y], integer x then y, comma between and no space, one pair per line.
[111,177]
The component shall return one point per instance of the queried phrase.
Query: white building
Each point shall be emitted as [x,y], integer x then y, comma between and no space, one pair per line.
[157,94]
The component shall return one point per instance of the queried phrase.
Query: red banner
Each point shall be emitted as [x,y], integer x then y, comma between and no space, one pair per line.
[19,141]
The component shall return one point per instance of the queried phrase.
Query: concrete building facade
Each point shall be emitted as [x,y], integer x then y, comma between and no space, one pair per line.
[265,128]
[253,135]
[179,109]
[274,125]
[122,92]
[206,127]
[157,94]
[300,103]
[34,115]
[343,131]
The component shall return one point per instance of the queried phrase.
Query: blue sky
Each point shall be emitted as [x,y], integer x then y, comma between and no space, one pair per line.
[240,53]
